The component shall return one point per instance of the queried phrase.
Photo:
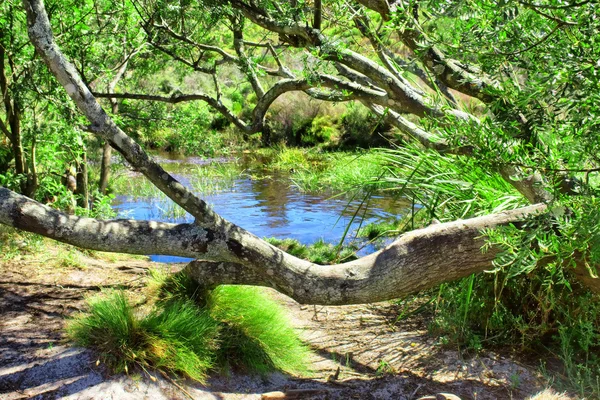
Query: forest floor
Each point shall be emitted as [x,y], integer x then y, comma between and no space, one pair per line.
[359,351]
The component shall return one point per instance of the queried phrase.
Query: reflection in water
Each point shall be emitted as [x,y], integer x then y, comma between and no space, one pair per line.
[271,207]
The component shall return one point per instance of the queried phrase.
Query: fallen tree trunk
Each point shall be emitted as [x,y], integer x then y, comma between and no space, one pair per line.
[418,260]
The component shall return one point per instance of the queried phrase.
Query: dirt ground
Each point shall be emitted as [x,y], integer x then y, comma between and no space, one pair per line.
[359,352]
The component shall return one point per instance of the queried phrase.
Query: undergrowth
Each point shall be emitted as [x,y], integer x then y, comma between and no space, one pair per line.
[190,331]
[178,338]
[319,252]
[531,299]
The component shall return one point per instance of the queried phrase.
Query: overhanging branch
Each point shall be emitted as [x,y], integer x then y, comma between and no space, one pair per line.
[406,266]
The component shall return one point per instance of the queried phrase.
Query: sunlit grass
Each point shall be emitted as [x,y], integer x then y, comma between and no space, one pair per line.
[176,338]
[255,332]
[319,252]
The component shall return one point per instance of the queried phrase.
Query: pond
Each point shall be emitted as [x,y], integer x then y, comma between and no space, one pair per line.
[265,202]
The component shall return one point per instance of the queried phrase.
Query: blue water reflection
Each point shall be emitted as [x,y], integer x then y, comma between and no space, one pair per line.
[272,207]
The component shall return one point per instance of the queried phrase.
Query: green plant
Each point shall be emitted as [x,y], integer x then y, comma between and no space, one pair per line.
[322,130]
[255,333]
[384,368]
[177,338]
[359,126]
[319,252]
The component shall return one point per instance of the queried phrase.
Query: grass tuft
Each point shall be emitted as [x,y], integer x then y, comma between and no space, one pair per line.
[257,334]
[319,252]
[177,338]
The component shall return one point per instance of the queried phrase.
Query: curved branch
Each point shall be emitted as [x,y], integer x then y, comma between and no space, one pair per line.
[406,266]
[180,98]
[303,84]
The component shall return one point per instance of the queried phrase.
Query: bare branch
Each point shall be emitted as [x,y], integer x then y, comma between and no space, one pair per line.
[180,98]
[406,266]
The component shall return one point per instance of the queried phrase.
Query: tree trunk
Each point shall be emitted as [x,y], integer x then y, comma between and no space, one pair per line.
[406,266]
[82,182]
[32,176]
[105,167]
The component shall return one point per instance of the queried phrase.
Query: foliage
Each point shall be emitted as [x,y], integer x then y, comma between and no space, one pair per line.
[177,338]
[255,334]
[530,298]
[344,172]
[319,252]
[360,128]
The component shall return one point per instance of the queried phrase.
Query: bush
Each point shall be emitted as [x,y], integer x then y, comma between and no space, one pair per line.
[322,130]
[361,128]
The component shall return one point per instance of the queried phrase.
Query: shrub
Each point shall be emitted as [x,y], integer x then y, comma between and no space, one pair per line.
[360,127]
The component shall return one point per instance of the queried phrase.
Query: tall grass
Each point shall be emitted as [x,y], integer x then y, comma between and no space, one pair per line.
[191,330]
[177,338]
[257,333]
[528,300]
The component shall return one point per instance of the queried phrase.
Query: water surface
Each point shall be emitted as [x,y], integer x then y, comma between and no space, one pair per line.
[266,204]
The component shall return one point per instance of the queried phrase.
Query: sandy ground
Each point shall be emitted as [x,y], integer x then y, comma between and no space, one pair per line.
[359,351]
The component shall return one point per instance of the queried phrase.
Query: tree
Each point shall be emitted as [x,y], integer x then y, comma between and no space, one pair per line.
[521,135]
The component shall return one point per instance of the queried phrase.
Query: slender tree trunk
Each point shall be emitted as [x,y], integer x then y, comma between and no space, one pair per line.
[105,167]
[32,176]
[17,147]
[82,182]
[318,17]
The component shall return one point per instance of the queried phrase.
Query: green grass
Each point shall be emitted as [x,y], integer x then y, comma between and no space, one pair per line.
[215,177]
[177,338]
[15,243]
[380,229]
[254,331]
[257,335]
[313,170]
[165,287]
[341,172]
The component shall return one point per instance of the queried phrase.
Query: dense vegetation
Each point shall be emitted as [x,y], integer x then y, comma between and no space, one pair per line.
[470,108]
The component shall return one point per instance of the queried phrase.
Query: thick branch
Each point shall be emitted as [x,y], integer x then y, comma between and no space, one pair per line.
[122,236]
[406,266]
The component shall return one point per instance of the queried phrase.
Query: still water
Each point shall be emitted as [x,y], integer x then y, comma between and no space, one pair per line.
[265,203]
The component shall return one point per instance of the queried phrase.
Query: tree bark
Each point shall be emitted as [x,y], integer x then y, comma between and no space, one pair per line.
[406,266]
[82,182]
[105,167]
